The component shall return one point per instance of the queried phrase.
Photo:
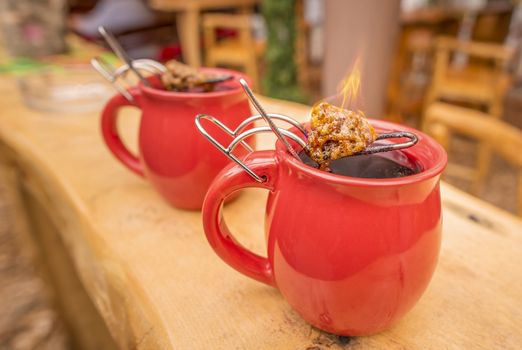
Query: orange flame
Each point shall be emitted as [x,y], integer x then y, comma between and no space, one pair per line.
[350,86]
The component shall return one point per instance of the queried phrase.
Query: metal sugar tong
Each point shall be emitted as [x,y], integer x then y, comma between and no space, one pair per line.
[239,134]
[118,76]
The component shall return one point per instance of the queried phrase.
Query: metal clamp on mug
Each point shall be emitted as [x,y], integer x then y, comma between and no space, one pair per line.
[112,75]
[118,76]
[282,134]
[239,135]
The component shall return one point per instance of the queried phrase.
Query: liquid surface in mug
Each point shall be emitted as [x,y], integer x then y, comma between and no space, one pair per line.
[224,86]
[370,166]
[217,87]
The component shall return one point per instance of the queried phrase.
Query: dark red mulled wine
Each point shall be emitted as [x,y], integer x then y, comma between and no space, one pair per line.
[371,166]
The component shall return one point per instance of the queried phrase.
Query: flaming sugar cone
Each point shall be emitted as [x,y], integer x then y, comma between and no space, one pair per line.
[337,133]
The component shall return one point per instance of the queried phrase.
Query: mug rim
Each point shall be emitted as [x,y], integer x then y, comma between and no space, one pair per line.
[176,95]
[440,159]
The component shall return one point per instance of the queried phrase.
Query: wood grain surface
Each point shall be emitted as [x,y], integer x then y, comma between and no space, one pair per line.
[158,285]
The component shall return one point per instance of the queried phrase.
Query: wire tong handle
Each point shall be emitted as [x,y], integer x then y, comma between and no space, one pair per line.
[117,76]
[121,53]
[242,132]
[266,117]
[109,73]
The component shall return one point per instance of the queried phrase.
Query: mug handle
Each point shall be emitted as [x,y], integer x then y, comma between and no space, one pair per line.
[110,130]
[218,235]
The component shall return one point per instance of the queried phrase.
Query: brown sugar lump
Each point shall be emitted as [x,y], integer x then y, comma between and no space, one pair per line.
[336,133]
[180,77]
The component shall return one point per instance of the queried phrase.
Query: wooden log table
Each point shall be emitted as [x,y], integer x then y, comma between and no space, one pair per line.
[114,251]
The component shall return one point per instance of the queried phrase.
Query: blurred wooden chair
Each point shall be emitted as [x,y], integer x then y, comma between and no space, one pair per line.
[442,119]
[241,50]
[483,80]
[409,78]
[493,21]
[479,77]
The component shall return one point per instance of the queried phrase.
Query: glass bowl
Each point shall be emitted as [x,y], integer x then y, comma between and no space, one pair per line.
[66,89]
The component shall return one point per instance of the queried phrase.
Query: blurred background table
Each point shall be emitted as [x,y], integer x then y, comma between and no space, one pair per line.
[114,251]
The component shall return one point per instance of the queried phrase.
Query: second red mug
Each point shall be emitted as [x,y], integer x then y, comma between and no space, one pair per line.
[350,255]
[172,155]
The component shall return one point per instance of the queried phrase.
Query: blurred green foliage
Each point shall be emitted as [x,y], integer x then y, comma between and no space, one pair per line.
[280,80]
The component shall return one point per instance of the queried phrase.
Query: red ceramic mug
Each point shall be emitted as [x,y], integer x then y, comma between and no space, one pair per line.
[350,255]
[172,155]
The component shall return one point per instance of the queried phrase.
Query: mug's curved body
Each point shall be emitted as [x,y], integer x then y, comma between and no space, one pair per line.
[172,155]
[350,255]
[352,258]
